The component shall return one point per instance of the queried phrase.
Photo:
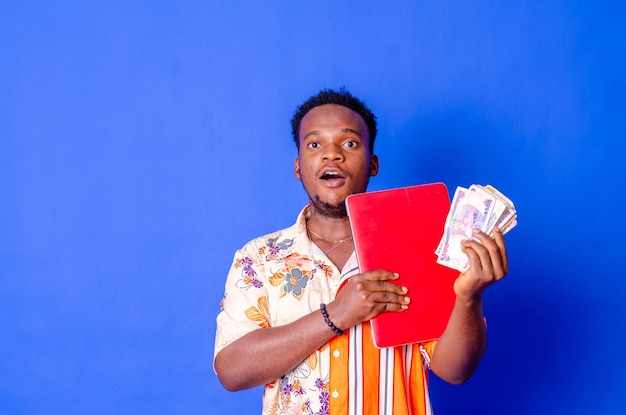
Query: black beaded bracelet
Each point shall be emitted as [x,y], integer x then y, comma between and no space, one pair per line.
[337,331]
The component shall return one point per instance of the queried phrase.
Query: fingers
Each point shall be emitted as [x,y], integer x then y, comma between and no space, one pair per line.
[487,255]
[380,275]
[379,281]
[499,238]
[384,290]
[375,291]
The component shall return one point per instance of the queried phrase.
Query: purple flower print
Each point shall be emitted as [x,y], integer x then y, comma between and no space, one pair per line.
[274,250]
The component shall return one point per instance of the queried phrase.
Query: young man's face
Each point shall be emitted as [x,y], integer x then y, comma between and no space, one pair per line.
[334,160]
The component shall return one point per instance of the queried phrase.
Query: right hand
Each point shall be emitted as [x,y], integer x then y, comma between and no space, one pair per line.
[365,296]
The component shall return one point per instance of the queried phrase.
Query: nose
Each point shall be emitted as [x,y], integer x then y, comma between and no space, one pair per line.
[333,152]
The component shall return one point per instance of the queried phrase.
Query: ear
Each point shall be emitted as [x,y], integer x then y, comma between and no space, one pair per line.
[374,165]
[296,169]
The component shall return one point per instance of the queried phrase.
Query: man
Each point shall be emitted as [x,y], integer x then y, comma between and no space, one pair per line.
[296,308]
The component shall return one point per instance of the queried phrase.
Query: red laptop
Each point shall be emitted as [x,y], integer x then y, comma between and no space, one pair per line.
[399,230]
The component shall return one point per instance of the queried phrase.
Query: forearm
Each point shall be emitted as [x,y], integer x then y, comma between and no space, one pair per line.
[266,354]
[463,344]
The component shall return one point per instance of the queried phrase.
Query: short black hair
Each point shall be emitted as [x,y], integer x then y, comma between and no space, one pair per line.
[339,97]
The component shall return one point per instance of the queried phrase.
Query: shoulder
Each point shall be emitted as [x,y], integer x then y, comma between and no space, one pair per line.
[281,241]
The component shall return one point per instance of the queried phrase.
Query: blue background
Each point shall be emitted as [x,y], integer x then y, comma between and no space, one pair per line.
[142,143]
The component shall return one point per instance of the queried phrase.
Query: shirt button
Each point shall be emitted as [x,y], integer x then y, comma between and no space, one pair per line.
[335,394]
[336,353]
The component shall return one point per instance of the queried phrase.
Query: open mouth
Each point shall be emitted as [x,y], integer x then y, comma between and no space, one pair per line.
[332,178]
[331,175]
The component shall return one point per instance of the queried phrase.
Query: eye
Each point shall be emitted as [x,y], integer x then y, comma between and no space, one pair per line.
[351,144]
[313,144]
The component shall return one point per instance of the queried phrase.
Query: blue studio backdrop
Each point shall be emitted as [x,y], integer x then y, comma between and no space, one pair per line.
[142,143]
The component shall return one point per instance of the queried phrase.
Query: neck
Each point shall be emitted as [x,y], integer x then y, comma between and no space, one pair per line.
[329,229]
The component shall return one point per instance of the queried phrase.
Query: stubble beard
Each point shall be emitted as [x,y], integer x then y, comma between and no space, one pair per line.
[329,210]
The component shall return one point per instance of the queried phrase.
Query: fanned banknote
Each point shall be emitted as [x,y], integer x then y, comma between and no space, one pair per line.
[479,207]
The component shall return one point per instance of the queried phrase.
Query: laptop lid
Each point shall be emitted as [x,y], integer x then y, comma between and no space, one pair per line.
[399,230]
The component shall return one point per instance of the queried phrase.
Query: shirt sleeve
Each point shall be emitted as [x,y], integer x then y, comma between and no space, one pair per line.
[244,306]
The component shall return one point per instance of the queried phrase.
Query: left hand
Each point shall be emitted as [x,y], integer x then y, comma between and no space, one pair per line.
[488,264]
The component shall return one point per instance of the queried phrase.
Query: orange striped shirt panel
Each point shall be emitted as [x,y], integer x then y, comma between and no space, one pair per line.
[366,380]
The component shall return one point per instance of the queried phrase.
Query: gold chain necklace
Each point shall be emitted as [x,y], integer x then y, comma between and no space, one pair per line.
[336,243]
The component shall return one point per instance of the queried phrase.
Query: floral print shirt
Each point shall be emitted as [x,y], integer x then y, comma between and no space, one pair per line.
[276,279]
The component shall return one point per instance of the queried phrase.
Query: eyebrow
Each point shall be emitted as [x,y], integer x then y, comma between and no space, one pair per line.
[343,130]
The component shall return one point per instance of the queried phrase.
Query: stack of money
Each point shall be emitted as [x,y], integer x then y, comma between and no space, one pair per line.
[479,207]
